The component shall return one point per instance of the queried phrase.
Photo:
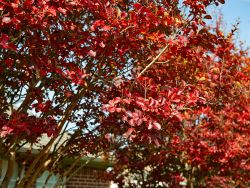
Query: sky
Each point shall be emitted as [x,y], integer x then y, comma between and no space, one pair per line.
[234,10]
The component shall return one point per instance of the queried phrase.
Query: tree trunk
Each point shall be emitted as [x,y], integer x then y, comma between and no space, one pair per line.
[10,170]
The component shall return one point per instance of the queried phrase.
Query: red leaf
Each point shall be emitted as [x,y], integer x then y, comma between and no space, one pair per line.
[6,20]
[150,125]
[157,126]
[151,102]
[62,10]
[139,121]
[129,132]
[116,100]
[176,100]
[102,44]
[156,142]
[139,103]
[107,136]
[124,118]
[111,109]
[131,122]
[5,131]
[3,41]
[137,6]
[106,28]
[208,17]
[179,116]
[92,53]
[222,1]
[129,114]
[118,110]
[28,2]
[127,101]
[9,62]
[52,11]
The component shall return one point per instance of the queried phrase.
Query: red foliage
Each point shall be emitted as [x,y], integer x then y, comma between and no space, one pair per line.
[26,127]
[153,82]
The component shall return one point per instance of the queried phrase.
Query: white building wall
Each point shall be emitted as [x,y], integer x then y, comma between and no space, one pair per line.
[39,183]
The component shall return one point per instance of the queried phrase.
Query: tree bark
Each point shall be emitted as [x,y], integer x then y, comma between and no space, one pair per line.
[10,170]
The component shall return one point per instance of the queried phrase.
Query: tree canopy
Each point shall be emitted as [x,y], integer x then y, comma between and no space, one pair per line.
[148,82]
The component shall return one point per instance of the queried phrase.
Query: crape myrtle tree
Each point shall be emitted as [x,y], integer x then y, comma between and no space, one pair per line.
[146,81]
[185,112]
[58,59]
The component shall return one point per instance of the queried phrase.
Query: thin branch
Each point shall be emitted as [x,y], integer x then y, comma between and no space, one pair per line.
[50,143]
[154,60]
[127,28]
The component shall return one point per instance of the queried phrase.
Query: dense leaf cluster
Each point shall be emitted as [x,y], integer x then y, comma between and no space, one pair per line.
[147,82]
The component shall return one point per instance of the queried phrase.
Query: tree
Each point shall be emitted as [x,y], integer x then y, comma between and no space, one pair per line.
[148,81]
[185,111]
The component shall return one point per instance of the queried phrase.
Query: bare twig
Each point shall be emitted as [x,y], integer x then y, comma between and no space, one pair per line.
[154,60]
